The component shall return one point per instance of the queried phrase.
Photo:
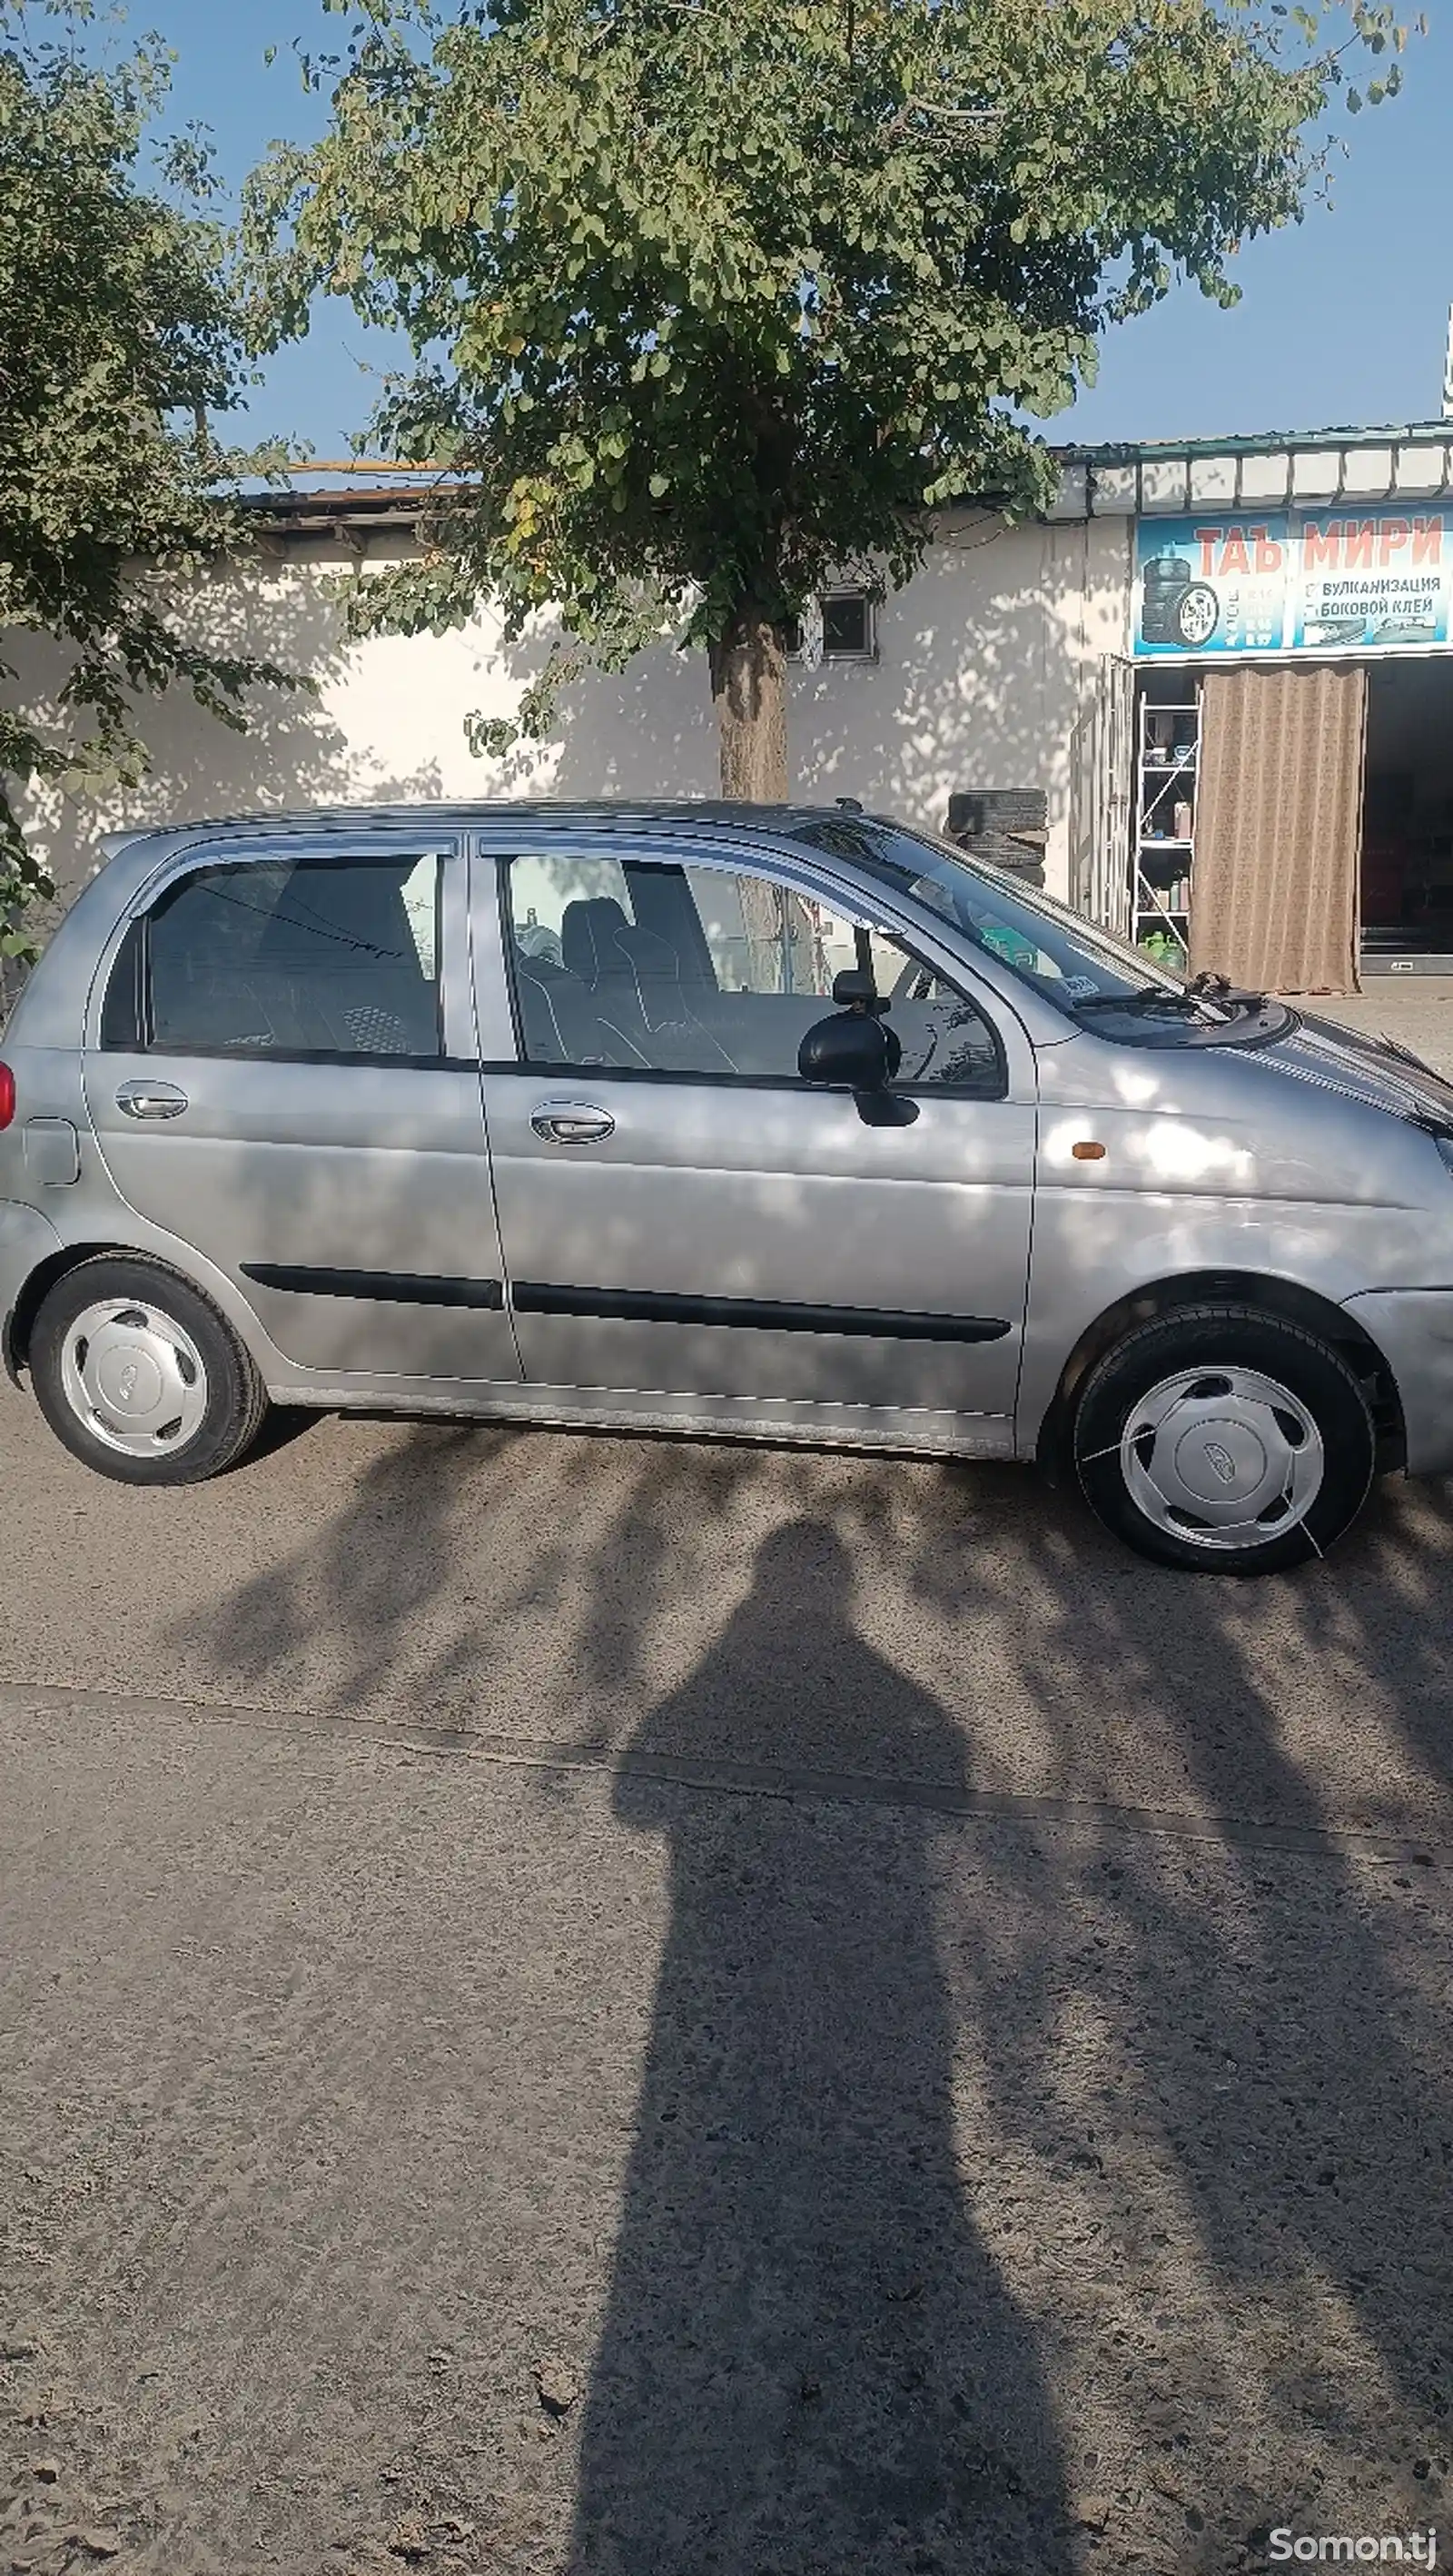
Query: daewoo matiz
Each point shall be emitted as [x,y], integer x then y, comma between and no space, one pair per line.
[781,1123]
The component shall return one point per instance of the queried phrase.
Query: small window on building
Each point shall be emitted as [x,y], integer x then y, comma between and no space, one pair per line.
[847,627]
[840,627]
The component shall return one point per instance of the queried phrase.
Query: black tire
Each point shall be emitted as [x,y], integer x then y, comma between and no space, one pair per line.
[232,1397]
[1206,1339]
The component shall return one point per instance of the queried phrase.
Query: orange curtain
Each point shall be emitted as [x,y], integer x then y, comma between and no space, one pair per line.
[1279,827]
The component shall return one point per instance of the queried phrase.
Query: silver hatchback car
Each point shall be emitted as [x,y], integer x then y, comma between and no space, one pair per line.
[781,1123]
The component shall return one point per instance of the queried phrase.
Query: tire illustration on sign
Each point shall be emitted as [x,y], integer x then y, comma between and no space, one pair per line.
[1197,610]
[1196,614]
[1178,609]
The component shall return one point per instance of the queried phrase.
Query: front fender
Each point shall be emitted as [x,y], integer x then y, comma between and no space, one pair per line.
[1093,1250]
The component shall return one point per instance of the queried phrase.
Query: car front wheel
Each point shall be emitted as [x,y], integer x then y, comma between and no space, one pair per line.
[1224,1441]
[137,1373]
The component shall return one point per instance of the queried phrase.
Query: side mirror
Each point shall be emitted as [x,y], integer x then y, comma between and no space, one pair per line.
[861,1056]
[849,1051]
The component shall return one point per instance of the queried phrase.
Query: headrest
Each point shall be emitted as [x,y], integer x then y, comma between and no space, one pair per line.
[587,936]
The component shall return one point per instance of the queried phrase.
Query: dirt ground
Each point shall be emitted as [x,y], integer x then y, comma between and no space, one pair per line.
[646,2010]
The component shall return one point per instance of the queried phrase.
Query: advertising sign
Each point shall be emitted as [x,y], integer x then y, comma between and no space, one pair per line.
[1340,580]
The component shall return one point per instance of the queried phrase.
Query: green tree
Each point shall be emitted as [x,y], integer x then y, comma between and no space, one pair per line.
[711,300]
[117,342]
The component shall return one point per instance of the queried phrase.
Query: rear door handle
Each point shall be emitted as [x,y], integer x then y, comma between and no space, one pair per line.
[151,1100]
[572,1122]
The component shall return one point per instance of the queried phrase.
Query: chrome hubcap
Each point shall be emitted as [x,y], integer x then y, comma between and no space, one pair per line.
[1222,1457]
[134,1378]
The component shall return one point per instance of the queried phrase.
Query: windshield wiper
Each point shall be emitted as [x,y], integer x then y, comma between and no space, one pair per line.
[1209,995]
[1227,996]
[1146,997]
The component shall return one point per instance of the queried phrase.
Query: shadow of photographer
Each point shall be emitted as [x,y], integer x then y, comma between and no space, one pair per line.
[809,2361]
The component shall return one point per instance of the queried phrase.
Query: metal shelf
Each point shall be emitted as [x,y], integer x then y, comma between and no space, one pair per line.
[1164,778]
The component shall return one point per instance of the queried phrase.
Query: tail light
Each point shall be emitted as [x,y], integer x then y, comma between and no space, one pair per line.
[7,1095]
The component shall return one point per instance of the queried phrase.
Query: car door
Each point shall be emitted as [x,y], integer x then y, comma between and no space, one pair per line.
[282,1073]
[679,1211]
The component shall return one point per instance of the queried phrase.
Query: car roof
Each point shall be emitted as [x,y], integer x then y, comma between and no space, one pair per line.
[716,814]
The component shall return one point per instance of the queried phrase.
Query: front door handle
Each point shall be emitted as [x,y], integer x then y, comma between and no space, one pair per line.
[572,1122]
[151,1100]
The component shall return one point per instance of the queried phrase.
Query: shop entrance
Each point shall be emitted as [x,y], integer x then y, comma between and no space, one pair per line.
[1249,822]
[1387,805]
[1407,819]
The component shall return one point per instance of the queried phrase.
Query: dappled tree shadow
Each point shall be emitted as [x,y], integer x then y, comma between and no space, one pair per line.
[321,743]
[985,660]
[1271,2051]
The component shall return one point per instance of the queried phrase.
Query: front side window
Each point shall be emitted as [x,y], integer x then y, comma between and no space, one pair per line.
[643,966]
[312,956]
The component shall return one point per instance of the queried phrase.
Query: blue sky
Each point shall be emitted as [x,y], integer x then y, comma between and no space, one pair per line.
[1343,318]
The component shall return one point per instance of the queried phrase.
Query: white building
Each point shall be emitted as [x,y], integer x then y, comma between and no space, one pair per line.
[1228,661]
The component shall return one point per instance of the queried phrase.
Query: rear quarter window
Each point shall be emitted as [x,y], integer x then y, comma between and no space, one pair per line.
[312,956]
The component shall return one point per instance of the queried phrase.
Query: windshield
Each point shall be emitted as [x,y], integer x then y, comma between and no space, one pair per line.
[1085,971]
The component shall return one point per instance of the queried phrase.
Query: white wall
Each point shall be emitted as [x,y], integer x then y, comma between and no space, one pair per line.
[985,660]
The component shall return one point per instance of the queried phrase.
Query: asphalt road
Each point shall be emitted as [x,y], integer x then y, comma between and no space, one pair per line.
[928,2037]
[650,2010]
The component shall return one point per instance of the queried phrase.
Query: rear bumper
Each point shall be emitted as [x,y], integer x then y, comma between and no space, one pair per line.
[25,1239]
[1413,1329]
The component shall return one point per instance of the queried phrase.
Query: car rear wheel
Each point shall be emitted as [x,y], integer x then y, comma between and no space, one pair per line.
[137,1373]
[1224,1441]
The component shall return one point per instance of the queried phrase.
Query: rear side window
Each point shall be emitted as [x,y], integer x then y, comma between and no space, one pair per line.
[313,956]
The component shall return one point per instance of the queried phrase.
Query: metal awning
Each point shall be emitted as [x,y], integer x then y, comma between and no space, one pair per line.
[1312,470]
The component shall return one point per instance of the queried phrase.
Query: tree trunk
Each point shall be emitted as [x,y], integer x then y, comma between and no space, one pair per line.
[749,692]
